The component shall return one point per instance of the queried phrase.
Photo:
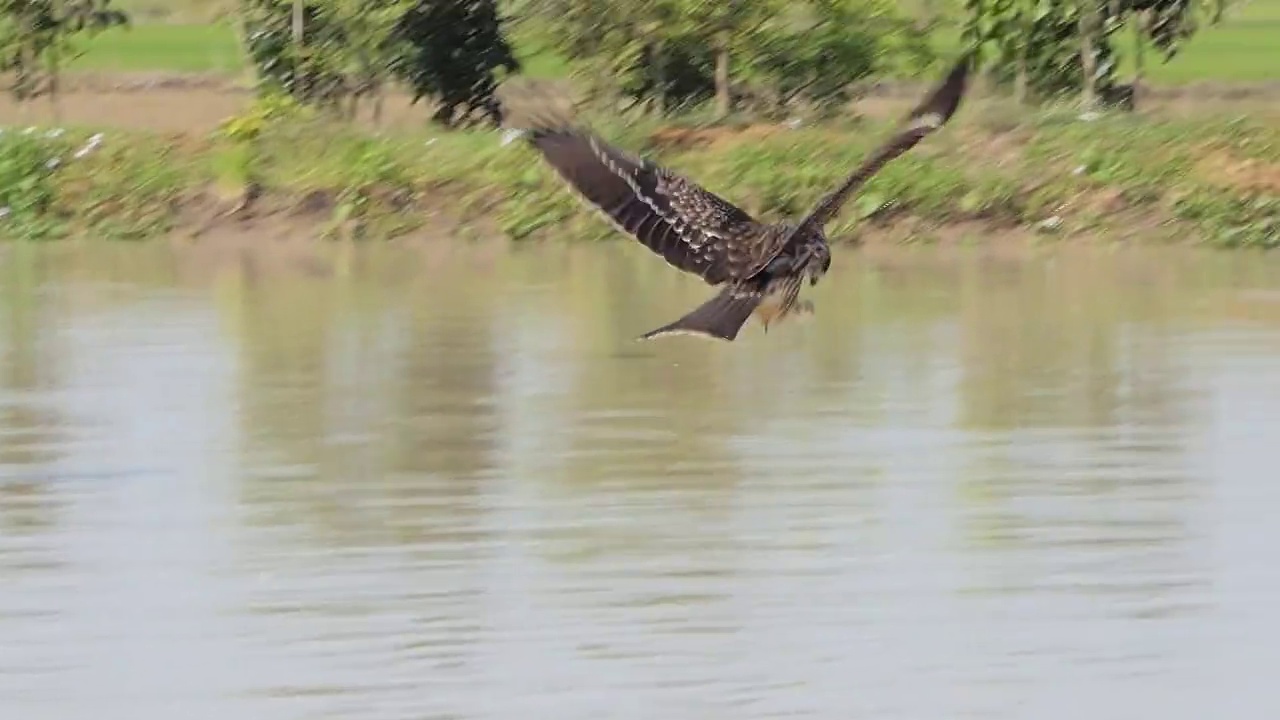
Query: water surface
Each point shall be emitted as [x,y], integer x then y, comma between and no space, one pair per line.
[446,484]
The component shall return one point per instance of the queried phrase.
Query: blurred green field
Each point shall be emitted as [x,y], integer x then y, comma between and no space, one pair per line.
[179,11]
[1246,47]
[182,48]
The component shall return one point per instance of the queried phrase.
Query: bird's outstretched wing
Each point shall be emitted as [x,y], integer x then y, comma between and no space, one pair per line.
[690,227]
[932,113]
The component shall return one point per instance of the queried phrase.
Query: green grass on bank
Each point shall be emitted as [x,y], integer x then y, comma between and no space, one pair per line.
[1244,48]
[1121,177]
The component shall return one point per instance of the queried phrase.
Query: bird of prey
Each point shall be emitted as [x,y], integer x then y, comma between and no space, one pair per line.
[760,266]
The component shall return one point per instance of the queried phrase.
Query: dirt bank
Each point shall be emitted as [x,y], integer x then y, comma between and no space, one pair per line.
[197,102]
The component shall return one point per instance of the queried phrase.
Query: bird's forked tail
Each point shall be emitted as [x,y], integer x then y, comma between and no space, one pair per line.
[721,317]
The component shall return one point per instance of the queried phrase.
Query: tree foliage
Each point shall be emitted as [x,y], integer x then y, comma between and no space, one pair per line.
[1048,47]
[452,52]
[306,68]
[37,37]
[445,50]
[1035,45]
[770,53]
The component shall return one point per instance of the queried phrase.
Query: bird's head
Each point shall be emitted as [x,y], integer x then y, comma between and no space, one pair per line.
[821,263]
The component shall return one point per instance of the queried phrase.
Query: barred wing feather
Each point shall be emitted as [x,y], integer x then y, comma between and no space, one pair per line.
[927,117]
[691,228]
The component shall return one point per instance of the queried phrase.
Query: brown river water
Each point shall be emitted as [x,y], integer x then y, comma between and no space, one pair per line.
[447,485]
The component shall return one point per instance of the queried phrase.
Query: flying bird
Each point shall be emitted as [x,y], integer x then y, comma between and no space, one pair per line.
[761,267]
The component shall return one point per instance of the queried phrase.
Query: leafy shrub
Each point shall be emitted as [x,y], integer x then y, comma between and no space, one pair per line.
[28,162]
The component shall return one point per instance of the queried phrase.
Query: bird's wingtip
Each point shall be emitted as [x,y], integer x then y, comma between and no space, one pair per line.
[666,331]
[940,104]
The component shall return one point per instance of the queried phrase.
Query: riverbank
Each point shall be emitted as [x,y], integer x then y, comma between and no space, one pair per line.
[1164,177]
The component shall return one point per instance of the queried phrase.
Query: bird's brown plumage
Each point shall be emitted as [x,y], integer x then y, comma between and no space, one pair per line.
[690,227]
[701,233]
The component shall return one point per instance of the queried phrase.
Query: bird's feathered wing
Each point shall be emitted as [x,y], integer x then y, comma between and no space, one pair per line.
[690,227]
[925,118]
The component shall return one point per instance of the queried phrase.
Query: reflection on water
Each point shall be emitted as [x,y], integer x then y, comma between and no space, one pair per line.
[455,489]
